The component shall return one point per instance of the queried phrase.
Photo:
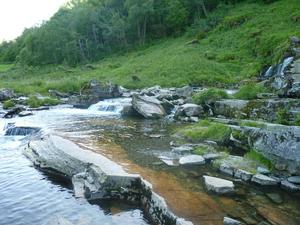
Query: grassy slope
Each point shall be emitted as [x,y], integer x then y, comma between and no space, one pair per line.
[250,37]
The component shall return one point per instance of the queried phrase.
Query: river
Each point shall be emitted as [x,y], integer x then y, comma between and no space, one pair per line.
[27,196]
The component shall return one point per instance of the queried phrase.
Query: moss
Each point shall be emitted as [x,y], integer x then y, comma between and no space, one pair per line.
[209,95]
[217,132]
[35,102]
[8,104]
[250,91]
[252,124]
[283,117]
[258,157]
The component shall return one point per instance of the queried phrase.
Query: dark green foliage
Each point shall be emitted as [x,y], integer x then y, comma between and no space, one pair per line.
[8,104]
[250,91]
[283,117]
[209,95]
[297,122]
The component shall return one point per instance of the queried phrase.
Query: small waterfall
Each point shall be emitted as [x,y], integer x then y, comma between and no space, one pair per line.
[110,106]
[279,69]
[21,131]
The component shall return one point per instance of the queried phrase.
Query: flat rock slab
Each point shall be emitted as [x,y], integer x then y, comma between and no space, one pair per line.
[218,185]
[290,186]
[192,160]
[242,174]
[264,180]
[294,180]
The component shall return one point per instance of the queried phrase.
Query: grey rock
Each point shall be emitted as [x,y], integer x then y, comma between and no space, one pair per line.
[25,113]
[264,180]
[263,170]
[188,110]
[13,112]
[218,185]
[184,92]
[242,174]
[192,160]
[295,40]
[224,168]
[148,107]
[276,198]
[230,221]
[167,105]
[294,179]
[183,149]
[194,119]
[289,186]
[6,94]
[211,156]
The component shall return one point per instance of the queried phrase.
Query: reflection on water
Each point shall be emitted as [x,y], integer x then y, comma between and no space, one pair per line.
[128,142]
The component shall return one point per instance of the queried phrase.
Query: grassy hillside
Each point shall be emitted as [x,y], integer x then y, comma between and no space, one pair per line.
[249,37]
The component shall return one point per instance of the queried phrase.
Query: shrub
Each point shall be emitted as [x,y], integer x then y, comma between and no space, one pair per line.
[250,91]
[209,95]
[256,156]
[8,104]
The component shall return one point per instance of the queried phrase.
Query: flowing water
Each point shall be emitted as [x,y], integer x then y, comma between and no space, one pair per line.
[27,196]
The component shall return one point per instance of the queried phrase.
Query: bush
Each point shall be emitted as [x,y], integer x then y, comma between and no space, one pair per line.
[35,102]
[250,91]
[8,104]
[210,95]
[256,156]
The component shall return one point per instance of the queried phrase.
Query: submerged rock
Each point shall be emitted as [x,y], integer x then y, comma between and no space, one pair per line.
[148,107]
[294,179]
[264,180]
[218,185]
[230,221]
[192,160]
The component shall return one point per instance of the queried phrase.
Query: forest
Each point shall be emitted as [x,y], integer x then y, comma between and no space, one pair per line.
[88,30]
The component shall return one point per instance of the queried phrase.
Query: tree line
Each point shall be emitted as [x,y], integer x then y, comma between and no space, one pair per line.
[87,30]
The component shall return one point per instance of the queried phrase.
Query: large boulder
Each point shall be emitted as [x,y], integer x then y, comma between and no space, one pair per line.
[96,177]
[148,107]
[6,94]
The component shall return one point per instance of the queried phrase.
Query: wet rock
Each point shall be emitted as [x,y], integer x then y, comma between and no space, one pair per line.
[192,160]
[167,105]
[21,130]
[155,135]
[58,94]
[263,170]
[183,149]
[224,168]
[243,175]
[168,161]
[188,110]
[289,186]
[148,107]
[41,108]
[6,94]
[97,177]
[25,113]
[194,119]
[280,166]
[295,40]
[276,198]
[128,111]
[230,221]
[294,179]
[264,180]
[218,185]
[13,112]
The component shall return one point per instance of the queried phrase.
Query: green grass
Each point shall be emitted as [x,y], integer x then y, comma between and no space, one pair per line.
[252,124]
[209,95]
[5,67]
[297,122]
[211,131]
[256,156]
[8,104]
[251,36]
[283,117]
[250,91]
[35,102]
